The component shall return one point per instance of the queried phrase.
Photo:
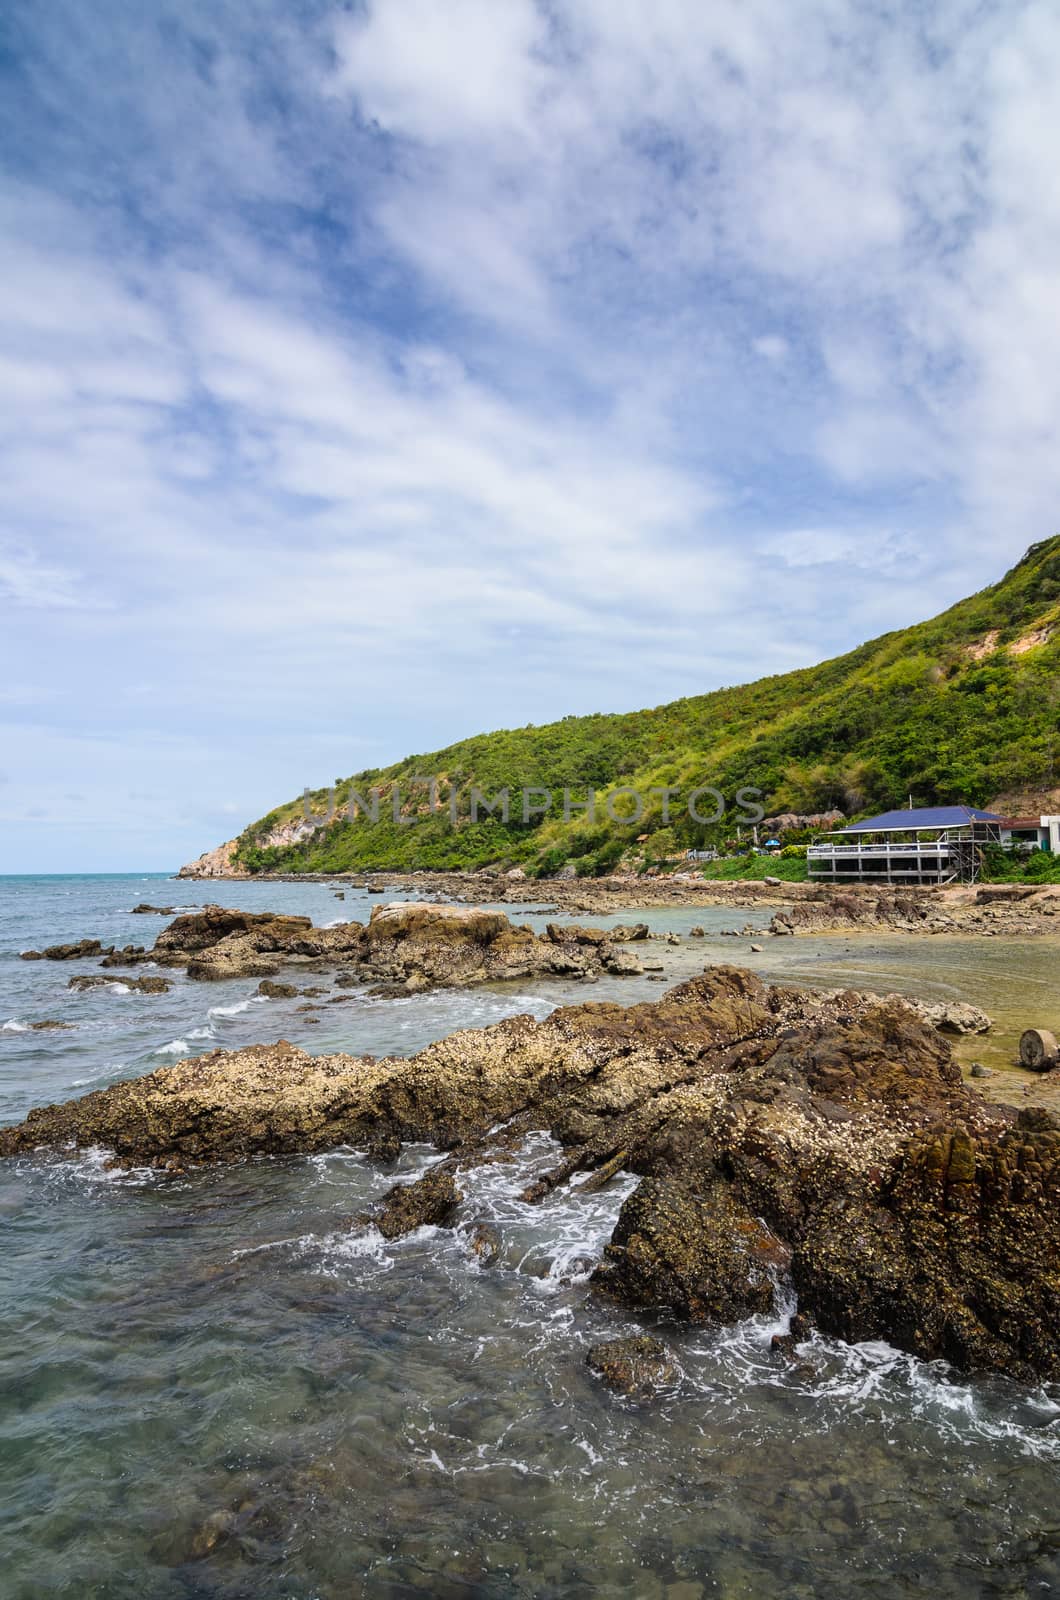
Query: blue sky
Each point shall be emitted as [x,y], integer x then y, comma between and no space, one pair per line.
[378,374]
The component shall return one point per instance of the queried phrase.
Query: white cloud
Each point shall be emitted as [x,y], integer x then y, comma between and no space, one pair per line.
[865,549]
[466,70]
[26,580]
[772,347]
[438,367]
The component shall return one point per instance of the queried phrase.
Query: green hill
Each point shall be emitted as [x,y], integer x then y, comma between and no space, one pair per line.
[964,707]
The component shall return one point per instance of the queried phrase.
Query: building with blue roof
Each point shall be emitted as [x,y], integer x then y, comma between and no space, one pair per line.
[932,844]
[914,821]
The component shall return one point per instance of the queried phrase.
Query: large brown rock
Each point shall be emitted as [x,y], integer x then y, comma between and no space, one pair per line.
[79,950]
[406,946]
[774,1131]
[698,1254]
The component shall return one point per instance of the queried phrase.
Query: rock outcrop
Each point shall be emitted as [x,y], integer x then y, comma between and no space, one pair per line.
[955,1017]
[826,1139]
[149,984]
[217,863]
[81,950]
[990,911]
[406,946]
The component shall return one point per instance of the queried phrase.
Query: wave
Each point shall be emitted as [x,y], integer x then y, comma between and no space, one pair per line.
[14,1026]
[107,1071]
[553,1245]
[237,1008]
[872,1381]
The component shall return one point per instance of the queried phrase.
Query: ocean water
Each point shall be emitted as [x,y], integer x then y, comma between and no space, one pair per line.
[212,1386]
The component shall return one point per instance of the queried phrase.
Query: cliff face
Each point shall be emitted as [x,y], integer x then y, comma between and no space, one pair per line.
[223,861]
[217,863]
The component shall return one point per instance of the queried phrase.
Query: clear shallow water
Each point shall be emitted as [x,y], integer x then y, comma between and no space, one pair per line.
[212,1386]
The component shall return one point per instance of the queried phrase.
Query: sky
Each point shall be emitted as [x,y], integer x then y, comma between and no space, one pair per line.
[377,374]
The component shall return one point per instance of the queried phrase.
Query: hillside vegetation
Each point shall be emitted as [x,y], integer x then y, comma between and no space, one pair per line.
[961,708]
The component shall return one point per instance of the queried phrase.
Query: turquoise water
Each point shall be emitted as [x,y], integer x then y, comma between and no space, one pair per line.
[212,1387]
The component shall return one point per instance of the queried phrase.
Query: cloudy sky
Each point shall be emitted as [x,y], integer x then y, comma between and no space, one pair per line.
[377,374]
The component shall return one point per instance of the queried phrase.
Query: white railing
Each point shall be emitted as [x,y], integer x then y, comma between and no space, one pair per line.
[939,860]
[824,852]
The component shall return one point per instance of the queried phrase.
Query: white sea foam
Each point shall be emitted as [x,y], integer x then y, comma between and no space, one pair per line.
[299,1245]
[176,1047]
[553,1245]
[873,1380]
[92,1166]
[237,1008]
[335,1166]
[14,1026]
[367,1253]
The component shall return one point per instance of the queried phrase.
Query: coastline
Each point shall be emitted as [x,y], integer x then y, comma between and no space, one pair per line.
[272,1251]
[983,910]
[819,1136]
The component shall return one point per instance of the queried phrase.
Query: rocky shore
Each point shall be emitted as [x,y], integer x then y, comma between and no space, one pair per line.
[989,911]
[403,948]
[778,1135]
[984,910]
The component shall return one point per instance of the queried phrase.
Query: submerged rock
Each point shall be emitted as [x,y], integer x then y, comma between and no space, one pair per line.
[827,1139]
[430,1201]
[635,1366]
[149,984]
[485,1244]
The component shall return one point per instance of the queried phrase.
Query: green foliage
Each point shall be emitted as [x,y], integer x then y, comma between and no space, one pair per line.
[1005,866]
[1042,868]
[740,868]
[942,710]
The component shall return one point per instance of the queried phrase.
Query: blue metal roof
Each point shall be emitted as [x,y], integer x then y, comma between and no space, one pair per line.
[930,817]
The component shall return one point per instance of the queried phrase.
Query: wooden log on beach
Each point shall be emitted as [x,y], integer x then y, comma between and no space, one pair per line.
[1039,1050]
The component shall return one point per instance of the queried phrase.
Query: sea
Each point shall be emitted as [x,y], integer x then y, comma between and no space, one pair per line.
[213,1387]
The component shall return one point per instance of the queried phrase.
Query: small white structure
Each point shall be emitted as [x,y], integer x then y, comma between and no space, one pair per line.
[1031,833]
